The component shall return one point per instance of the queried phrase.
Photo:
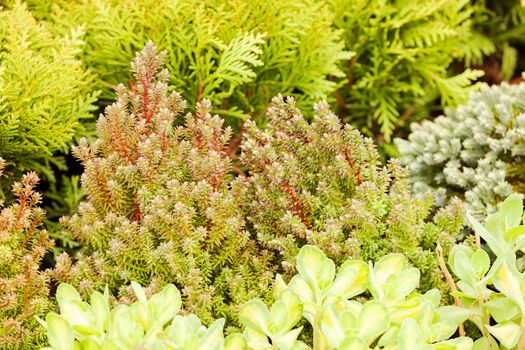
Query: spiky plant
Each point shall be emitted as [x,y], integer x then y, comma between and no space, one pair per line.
[162,206]
[24,289]
[322,183]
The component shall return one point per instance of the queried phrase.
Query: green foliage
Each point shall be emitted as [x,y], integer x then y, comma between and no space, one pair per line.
[236,53]
[395,317]
[45,93]
[404,53]
[475,152]
[142,324]
[354,306]
[321,183]
[494,294]
[161,205]
[24,290]
[503,22]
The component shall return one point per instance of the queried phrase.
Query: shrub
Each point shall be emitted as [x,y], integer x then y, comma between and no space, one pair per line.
[161,204]
[405,52]
[45,91]
[24,290]
[321,183]
[503,22]
[474,152]
[238,54]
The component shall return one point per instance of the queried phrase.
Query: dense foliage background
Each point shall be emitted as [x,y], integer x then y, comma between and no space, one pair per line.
[243,137]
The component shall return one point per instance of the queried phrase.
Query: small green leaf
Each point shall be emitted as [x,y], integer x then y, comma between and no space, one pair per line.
[315,268]
[165,305]
[351,280]
[410,336]
[492,241]
[139,292]
[507,278]
[213,338]
[353,343]
[66,293]
[503,309]
[235,341]
[373,321]
[480,262]
[255,314]
[508,333]
[59,333]
[286,312]
[462,343]
[288,340]
[511,211]
[101,310]
[512,235]
[463,268]
[389,265]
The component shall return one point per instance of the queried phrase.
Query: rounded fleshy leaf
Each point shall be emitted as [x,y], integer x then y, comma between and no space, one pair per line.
[315,268]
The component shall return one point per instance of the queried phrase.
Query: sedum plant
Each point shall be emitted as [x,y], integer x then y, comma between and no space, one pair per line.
[474,152]
[153,323]
[46,93]
[161,204]
[321,183]
[405,55]
[493,292]
[24,289]
[394,317]
[238,54]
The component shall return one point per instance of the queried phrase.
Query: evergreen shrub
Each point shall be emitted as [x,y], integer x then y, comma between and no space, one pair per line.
[475,152]
[45,92]
[24,289]
[238,54]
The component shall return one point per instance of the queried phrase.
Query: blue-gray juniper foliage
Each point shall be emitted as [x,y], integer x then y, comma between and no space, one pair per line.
[475,152]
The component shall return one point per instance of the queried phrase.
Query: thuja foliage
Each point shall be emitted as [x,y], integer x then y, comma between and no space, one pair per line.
[475,152]
[161,204]
[24,290]
[238,54]
[322,183]
[362,306]
[404,56]
[504,23]
[45,92]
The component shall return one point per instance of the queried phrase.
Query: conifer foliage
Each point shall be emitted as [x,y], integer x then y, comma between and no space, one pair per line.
[238,54]
[475,152]
[24,290]
[45,93]
[321,183]
[161,205]
[404,55]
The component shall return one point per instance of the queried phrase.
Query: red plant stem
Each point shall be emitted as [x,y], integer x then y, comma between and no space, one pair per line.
[296,204]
